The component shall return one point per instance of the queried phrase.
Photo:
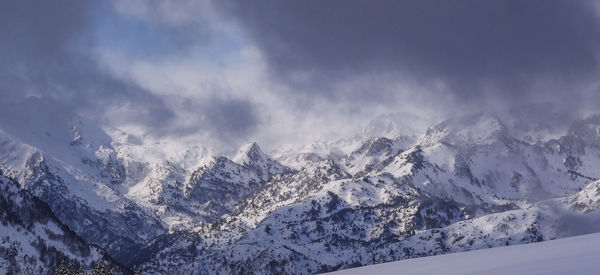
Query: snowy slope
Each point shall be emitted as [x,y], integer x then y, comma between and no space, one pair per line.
[326,233]
[69,163]
[120,191]
[33,240]
[465,184]
[393,192]
[574,255]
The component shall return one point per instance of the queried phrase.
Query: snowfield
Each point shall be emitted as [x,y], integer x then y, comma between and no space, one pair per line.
[574,255]
[463,184]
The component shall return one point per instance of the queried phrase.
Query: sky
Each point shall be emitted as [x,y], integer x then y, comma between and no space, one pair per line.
[223,73]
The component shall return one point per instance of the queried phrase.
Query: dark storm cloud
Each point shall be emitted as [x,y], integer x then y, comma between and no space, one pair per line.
[46,51]
[40,28]
[229,120]
[232,119]
[474,47]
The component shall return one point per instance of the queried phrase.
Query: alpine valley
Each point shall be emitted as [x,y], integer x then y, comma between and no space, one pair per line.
[73,190]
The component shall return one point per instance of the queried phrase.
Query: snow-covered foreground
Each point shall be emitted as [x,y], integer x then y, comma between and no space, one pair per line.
[575,255]
[465,183]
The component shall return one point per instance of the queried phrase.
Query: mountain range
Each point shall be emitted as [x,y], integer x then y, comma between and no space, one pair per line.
[75,190]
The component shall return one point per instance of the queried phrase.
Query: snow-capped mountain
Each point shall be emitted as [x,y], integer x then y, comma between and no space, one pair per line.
[186,198]
[69,163]
[33,240]
[464,183]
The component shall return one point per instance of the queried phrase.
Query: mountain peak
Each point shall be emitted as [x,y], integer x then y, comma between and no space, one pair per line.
[482,128]
[393,125]
[250,153]
[587,129]
[252,157]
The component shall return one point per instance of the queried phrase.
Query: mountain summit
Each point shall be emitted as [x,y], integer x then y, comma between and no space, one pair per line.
[464,183]
[252,157]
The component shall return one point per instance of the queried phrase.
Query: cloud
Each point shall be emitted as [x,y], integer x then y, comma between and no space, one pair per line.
[170,12]
[51,51]
[295,71]
[476,51]
[231,119]
[45,53]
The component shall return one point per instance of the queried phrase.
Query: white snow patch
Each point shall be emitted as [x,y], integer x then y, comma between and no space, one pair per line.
[575,255]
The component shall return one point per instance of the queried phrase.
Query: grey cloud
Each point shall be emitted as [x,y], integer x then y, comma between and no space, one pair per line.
[499,49]
[230,121]
[236,118]
[487,53]
[40,28]
[45,52]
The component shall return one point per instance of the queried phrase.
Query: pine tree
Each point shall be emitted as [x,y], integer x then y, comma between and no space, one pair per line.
[101,269]
[64,269]
[140,271]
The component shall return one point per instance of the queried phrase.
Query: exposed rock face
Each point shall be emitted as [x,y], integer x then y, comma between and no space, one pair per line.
[90,218]
[464,183]
[33,240]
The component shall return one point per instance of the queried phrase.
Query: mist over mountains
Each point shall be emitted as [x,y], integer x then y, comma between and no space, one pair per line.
[464,183]
[222,73]
[210,137]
